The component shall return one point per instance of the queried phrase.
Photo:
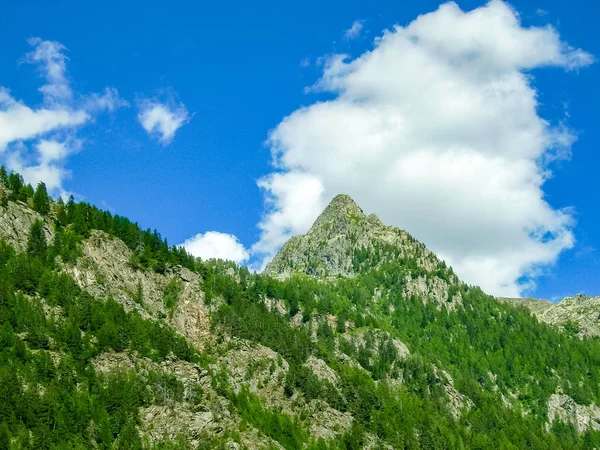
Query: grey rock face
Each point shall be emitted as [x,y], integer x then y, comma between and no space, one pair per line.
[564,409]
[16,220]
[192,420]
[321,370]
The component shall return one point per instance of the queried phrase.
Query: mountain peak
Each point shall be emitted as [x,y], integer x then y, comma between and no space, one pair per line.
[342,203]
[345,241]
[341,208]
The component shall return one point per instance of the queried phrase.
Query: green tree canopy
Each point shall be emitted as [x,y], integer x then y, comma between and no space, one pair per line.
[36,244]
[41,200]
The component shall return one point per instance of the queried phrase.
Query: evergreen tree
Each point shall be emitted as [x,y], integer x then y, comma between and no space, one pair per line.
[79,220]
[61,213]
[70,208]
[15,184]
[3,176]
[25,193]
[41,200]
[36,244]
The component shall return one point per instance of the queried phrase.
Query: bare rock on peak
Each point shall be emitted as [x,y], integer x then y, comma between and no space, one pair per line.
[345,241]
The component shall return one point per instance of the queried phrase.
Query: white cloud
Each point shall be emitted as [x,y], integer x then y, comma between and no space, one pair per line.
[214,244]
[50,151]
[19,122]
[37,140]
[436,130]
[45,163]
[354,31]
[162,119]
[293,200]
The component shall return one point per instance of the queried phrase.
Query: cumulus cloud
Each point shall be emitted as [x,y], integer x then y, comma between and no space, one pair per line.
[214,244]
[436,130]
[354,31]
[293,199]
[162,119]
[36,140]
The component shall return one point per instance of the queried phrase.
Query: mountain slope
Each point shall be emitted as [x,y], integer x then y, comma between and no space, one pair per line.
[109,338]
[580,313]
[344,241]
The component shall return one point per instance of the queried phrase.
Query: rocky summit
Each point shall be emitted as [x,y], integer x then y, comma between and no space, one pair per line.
[344,241]
[355,337]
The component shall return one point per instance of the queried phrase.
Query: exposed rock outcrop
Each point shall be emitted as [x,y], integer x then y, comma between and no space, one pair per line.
[564,409]
[16,219]
[581,310]
[344,241]
[202,413]
[105,269]
[328,248]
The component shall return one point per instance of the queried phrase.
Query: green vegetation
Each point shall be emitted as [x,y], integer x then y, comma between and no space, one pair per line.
[275,425]
[483,337]
[487,353]
[49,390]
[41,200]
[151,251]
[171,294]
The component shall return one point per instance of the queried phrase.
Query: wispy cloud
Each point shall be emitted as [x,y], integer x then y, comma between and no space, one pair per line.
[37,140]
[109,101]
[354,31]
[50,57]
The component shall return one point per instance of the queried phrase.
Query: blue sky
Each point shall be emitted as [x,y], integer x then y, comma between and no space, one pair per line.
[235,71]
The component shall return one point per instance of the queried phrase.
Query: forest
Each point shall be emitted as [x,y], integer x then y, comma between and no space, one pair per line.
[492,351]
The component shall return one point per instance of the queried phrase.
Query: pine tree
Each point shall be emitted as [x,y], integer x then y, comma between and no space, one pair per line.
[36,244]
[70,208]
[3,175]
[15,184]
[61,214]
[41,200]
[26,193]
[78,219]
